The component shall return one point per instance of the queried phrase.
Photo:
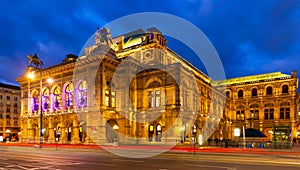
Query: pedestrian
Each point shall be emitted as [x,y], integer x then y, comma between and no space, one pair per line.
[209,140]
[226,143]
[294,141]
[217,141]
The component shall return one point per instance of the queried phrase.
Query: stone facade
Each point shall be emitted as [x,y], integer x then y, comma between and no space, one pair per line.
[133,89]
[267,102]
[130,89]
[9,111]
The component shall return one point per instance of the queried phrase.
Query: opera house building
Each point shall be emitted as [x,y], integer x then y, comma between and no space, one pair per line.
[133,89]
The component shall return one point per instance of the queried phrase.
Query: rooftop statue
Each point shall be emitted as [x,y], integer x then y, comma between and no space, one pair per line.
[103,36]
[35,60]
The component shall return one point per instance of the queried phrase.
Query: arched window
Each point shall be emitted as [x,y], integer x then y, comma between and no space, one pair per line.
[56,98]
[35,101]
[46,100]
[254,92]
[82,94]
[285,89]
[269,90]
[69,95]
[240,94]
[228,94]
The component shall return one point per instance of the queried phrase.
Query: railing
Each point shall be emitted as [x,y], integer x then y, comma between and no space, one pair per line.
[281,145]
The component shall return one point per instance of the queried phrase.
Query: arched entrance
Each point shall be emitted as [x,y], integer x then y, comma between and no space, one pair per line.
[35,132]
[45,132]
[82,130]
[154,130]
[69,132]
[158,133]
[112,129]
[150,132]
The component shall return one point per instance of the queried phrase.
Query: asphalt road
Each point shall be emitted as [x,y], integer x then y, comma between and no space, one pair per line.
[15,158]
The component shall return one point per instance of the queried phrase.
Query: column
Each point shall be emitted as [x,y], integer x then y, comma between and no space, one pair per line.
[75,132]
[63,136]
[51,132]
[29,135]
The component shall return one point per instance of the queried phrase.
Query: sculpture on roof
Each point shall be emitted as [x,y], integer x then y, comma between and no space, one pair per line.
[35,60]
[103,36]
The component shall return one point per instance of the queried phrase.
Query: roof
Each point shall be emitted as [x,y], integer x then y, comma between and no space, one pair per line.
[250,132]
[10,86]
[254,78]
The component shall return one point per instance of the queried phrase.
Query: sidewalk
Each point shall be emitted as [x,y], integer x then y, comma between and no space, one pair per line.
[178,148]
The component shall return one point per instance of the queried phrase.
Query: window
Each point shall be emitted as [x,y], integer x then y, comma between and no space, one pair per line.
[284,113]
[254,92]
[254,114]
[8,110]
[69,95]
[184,101]
[35,101]
[285,89]
[113,99]
[269,114]
[7,116]
[56,98]
[15,110]
[7,97]
[269,90]
[15,98]
[45,99]
[240,115]
[15,123]
[110,98]
[107,98]
[1,116]
[8,122]
[154,98]
[0,96]
[82,94]
[240,94]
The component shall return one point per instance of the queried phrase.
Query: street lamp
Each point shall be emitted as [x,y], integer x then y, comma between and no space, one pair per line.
[50,81]
[37,62]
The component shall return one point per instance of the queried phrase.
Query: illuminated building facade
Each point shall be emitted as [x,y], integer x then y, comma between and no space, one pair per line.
[9,111]
[94,98]
[88,101]
[266,102]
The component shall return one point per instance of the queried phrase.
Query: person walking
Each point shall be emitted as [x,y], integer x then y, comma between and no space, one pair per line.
[294,141]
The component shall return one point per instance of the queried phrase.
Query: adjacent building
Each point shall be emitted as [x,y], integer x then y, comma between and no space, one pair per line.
[9,112]
[266,102]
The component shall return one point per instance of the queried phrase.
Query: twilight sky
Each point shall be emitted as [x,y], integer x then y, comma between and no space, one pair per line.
[251,37]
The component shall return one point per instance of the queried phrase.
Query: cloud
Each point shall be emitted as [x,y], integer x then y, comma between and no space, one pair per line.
[250,36]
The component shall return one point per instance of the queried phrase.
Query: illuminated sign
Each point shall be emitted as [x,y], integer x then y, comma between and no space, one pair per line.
[237,132]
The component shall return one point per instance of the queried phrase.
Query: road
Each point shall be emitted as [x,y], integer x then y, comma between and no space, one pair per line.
[15,158]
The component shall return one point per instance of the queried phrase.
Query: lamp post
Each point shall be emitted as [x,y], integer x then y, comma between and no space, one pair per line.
[37,62]
[41,109]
